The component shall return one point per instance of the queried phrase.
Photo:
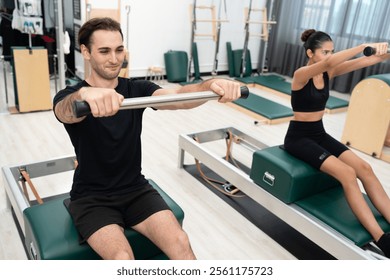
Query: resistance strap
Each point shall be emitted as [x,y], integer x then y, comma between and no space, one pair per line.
[223,187]
[26,178]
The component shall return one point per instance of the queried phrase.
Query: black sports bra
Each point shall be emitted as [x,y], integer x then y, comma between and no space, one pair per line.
[309,98]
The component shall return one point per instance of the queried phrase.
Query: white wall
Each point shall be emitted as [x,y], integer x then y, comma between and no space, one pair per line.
[157,26]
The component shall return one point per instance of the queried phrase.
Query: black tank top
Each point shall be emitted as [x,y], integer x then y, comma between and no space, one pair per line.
[309,98]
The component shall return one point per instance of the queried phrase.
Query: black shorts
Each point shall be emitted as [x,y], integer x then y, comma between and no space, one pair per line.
[309,142]
[94,212]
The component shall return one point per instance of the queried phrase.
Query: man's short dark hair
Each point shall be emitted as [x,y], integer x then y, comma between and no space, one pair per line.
[94,24]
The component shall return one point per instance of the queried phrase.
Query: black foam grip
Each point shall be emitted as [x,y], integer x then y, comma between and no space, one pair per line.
[368,51]
[244,92]
[81,108]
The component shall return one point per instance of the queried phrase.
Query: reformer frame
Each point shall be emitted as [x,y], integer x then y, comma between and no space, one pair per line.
[311,227]
[15,197]
[46,230]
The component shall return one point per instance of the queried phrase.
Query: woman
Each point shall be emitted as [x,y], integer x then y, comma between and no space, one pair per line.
[306,138]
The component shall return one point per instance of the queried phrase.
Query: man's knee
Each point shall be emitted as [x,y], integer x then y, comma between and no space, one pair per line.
[182,239]
[183,246]
[122,255]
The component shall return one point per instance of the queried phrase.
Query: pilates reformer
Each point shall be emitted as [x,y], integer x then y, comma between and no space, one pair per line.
[46,227]
[306,199]
[263,110]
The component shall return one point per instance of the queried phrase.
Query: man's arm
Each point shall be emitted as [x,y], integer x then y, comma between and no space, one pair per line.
[63,109]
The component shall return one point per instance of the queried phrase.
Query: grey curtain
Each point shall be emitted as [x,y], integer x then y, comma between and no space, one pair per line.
[349,22]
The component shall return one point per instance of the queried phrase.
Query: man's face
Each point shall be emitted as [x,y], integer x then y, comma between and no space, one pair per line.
[107,53]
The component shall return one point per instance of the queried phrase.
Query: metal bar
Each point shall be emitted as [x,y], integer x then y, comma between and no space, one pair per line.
[142,102]
[128,8]
[193,31]
[213,135]
[29,41]
[81,108]
[245,48]
[55,72]
[15,196]
[58,4]
[264,43]
[219,26]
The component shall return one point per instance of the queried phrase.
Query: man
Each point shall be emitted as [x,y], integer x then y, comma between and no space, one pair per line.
[109,192]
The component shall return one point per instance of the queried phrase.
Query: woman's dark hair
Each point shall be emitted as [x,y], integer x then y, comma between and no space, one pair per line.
[94,24]
[314,39]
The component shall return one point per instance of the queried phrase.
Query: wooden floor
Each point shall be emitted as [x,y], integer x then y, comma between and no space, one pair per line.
[216,230]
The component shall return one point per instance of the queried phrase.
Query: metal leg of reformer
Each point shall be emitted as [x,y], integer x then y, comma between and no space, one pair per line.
[14,194]
[311,227]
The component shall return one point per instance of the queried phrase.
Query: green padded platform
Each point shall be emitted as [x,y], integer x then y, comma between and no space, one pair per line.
[335,103]
[51,235]
[279,84]
[274,82]
[332,208]
[246,80]
[264,107]
[191,82]
[287,177]
[383,77]
[262,79]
